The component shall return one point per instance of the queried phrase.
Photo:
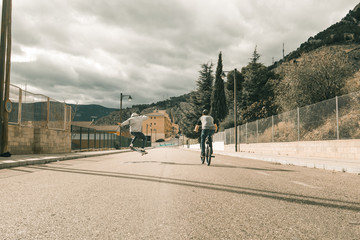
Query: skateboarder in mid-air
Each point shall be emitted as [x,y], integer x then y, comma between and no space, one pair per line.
[135,122]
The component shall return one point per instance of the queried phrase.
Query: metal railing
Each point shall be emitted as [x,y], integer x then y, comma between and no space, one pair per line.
[83,138]
[88,138]
[37,110]
[333,119]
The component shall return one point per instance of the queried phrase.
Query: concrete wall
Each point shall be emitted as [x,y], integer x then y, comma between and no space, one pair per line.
[335,149]
[27,140]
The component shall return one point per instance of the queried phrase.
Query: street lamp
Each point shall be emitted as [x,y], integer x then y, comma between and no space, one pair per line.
[235,108]
[121,98]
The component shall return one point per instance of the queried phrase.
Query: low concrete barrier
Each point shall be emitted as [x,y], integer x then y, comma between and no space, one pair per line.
[335,149]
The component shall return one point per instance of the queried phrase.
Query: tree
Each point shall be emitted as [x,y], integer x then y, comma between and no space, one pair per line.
[198,100]
[205,86]
[219,108]
[315,77]
[257,90]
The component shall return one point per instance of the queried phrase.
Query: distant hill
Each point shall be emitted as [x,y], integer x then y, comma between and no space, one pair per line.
[90,112]
[110,116]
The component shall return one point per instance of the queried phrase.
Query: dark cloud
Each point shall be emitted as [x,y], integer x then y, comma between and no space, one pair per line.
[88,51]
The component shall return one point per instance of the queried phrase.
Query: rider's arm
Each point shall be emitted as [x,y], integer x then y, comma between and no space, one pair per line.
[125,123]
[196,128]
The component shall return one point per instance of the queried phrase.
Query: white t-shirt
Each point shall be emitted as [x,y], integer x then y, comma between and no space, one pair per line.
[135,123]
[207,122]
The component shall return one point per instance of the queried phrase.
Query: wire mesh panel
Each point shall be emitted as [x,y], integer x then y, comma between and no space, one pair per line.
[232,135]
[33,110]
[349,116]
[243,133]
[318,121]
[227,136]
[219,137]
[252,136]
[68,117]
[265,130]
[14,97]
[286,127]
[56,115]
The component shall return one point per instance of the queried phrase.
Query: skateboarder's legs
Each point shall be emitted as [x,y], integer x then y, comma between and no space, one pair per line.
[136,136]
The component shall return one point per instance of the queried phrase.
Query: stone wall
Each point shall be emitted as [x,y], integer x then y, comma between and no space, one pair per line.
[334,149]
[27,140]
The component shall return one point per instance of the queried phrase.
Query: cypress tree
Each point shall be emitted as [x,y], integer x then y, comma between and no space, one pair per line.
[219,108]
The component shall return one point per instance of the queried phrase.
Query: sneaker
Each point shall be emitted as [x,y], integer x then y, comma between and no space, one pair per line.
[142,149]
[131,145]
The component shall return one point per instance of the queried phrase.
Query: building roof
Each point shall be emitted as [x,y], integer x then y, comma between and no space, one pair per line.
[87,124]
[106,128]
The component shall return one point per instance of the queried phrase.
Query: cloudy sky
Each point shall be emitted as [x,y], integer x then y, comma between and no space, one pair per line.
[90,51]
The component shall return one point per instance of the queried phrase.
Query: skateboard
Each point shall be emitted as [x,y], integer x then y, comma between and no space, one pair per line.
[139,151]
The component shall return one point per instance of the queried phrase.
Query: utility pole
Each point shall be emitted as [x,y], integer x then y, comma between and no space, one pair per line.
[121,97]
[235,109]
[5,66]
[283,50]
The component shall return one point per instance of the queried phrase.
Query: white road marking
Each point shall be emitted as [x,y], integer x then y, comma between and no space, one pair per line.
[305,185]
[262,173]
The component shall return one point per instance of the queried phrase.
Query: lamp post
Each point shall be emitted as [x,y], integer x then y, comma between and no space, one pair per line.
[121,98]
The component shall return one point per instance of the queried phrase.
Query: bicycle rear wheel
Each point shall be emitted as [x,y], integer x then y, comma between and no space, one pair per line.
[208,154]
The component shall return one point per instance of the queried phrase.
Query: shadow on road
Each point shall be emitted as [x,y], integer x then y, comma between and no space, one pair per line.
[287,197]
[214,165]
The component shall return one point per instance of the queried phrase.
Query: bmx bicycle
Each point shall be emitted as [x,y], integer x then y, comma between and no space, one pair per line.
[208,151]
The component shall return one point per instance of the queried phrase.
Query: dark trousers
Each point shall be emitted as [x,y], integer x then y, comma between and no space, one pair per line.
[204,134]
[138,135]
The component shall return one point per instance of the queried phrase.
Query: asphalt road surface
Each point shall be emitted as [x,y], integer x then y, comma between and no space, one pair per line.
[169,194]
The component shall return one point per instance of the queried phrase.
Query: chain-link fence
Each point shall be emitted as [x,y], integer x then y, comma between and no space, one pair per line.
[333,119]
[36,110]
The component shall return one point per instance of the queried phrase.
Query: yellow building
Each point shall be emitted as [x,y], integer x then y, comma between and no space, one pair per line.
[159,126]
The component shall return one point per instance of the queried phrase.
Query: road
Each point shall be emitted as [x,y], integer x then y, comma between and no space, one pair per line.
[168,194]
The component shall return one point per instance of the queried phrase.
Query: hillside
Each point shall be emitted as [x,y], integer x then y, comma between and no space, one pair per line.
[344,32]
[170,105]
[90,112]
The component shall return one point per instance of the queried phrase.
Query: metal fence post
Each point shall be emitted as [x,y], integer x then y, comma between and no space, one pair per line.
[20,106]
[298,123]
[337,118]
[80,137]
[246,136]
[71,132]
[88,142]
[94,139]
[48,113]
[257,131]
[272,128]
[65,116]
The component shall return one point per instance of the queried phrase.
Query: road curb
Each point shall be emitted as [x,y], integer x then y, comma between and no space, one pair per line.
[48,159]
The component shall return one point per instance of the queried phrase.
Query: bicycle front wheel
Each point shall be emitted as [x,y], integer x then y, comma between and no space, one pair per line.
[208,154]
